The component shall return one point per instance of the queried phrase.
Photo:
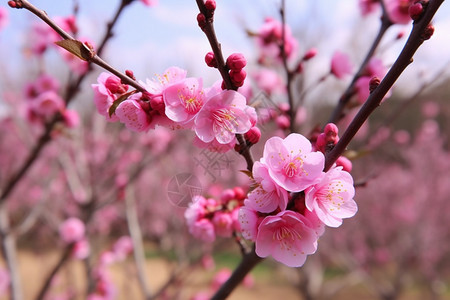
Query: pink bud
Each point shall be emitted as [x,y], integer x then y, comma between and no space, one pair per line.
[236,61]
[12,4]
[238,76]
[331,128]
[310,54]
[115,86]
[130,74]
[426,35]
[373,83]
[157,103]
[345,163]
[210,4]
[227,195]
[201,19]
[415,11]
[239,192]
[71,118]
[210,60]
[253,135]
[283,122]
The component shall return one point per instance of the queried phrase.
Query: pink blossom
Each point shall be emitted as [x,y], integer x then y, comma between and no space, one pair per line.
[71,230]
[103,97]
[270,37]
[71,118]
[398,11]
[170,76]
[223,224]
[81,249]
[203,229]
[220,278]
[368,6]
[287,237]
[291,163]
[362,88]
[269,81]
[131,113]
[4,281]
[4,17]
[268,195]
[196,210]
[123,247]
[249,222]
[332,198]
[47,104]
[223,116]
[184,99]
[150,2]
[340,65]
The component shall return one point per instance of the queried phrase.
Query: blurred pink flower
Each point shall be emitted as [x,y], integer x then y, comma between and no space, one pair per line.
[287,237]
[223,224]
[332,198]
[4,281]
[270,37]
[291,163]
[150,2]
[268,195]
[269,81]
[398,11]
[368,6]
[223,116]
[47,104]
[340,65]
[81,249]
[123,247]
[71,230]
[4,17]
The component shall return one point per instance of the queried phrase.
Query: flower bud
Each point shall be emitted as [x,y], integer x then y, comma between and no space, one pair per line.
[310,54]
[283,122]
[415,11]
[227,195]
[374,83]
[210,60]
[157,103]
[428,32]
[130,74]
[201,19]
[238,76]
[115,86]
[253,135]
[236,61]
[210,5]
[239,193]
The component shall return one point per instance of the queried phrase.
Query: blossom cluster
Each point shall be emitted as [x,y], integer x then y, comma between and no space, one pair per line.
[175,101]
[208,217]
[293,199]
[43,102]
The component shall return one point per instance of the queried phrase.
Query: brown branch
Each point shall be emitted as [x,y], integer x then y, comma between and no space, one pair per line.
[416,38]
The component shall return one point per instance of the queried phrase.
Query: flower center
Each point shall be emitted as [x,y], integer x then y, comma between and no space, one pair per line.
[225,118]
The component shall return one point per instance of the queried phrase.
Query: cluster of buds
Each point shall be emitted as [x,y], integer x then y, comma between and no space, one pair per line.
[326,141]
